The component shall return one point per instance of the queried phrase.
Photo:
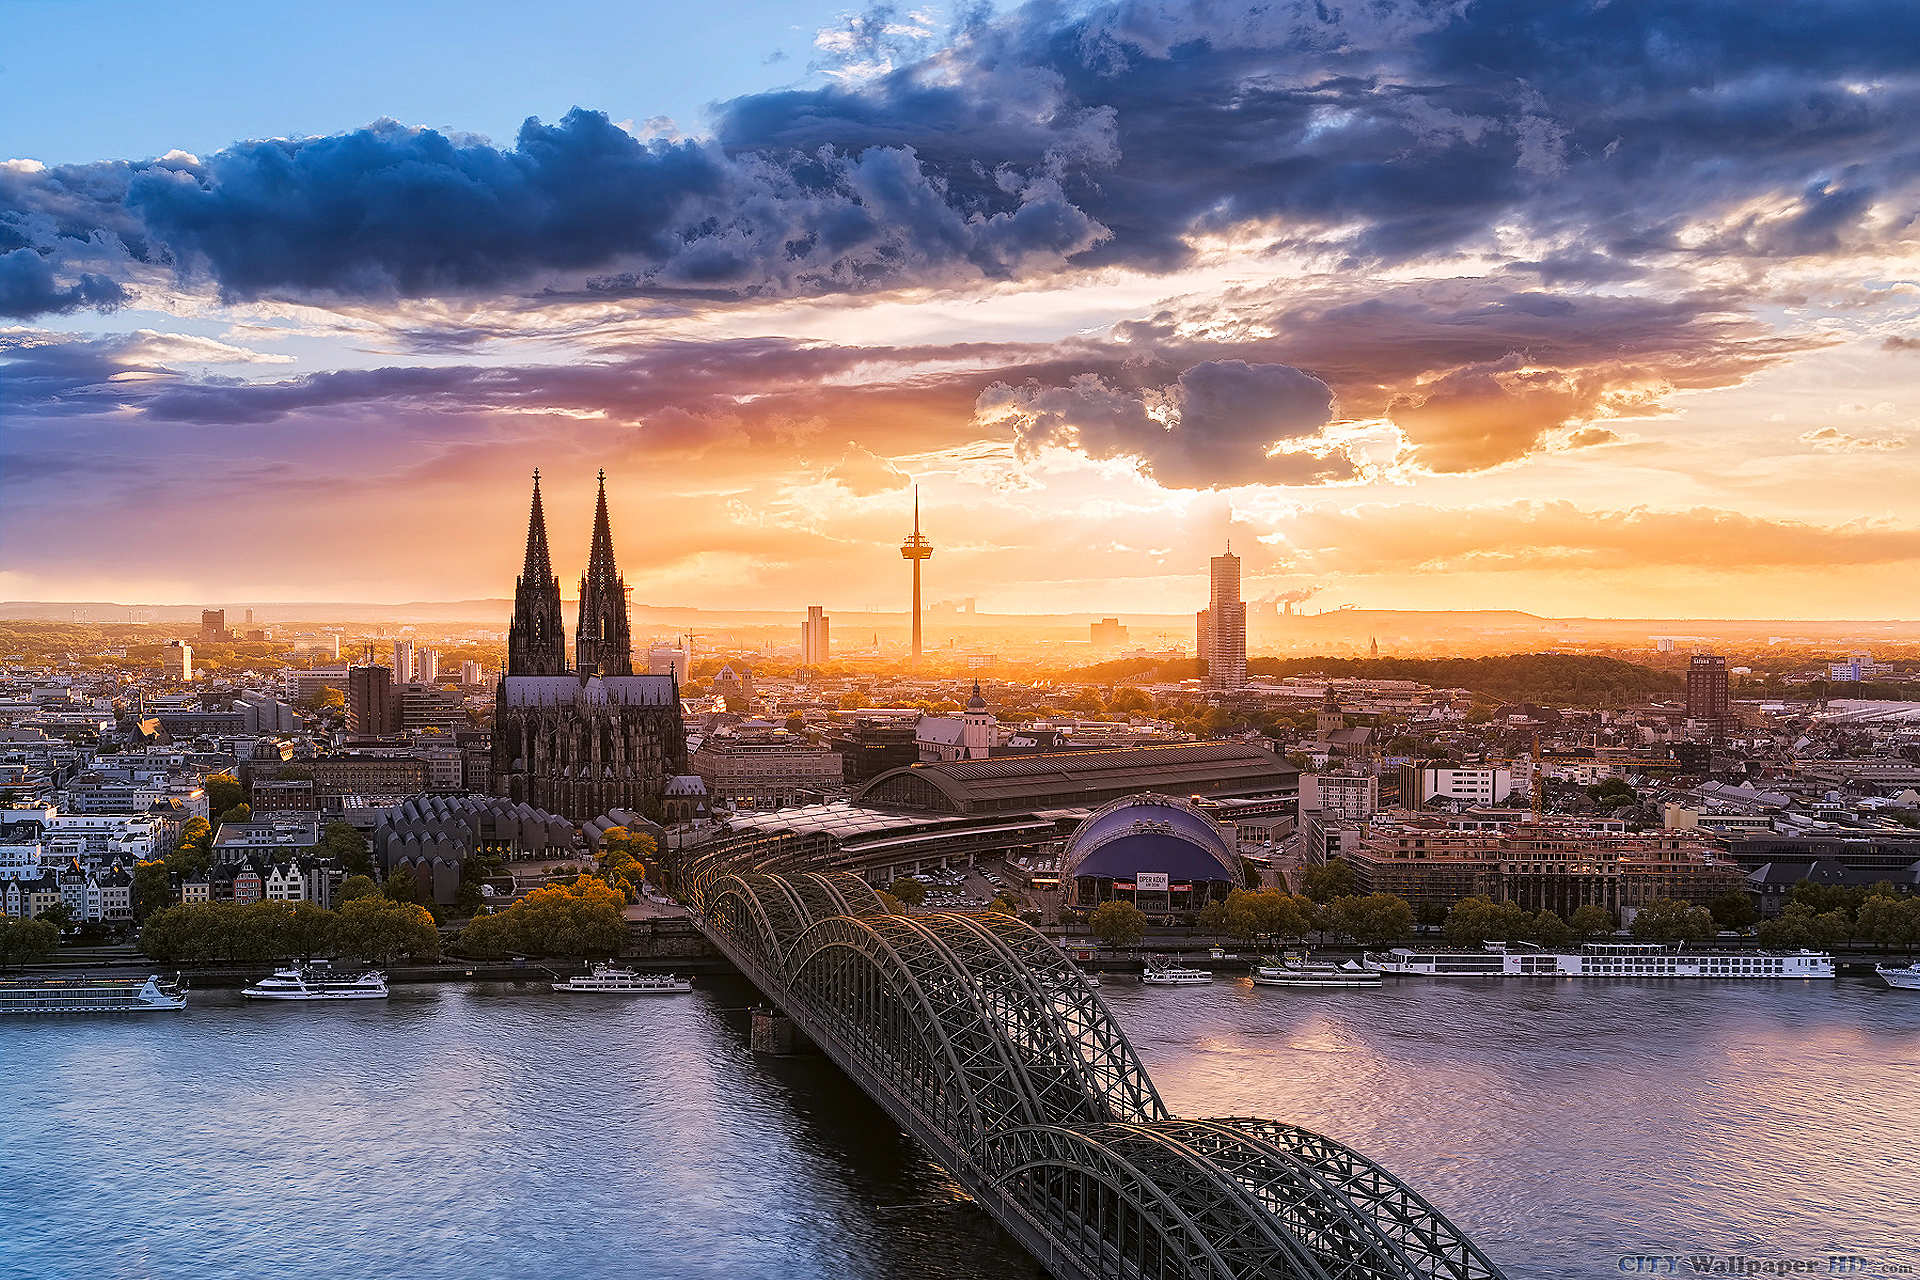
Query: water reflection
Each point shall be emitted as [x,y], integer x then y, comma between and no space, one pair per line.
[504,1131]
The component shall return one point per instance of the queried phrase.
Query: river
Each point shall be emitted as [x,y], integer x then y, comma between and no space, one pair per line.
[485,1131]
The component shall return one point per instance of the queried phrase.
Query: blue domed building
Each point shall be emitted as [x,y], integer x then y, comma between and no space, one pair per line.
[1161,854]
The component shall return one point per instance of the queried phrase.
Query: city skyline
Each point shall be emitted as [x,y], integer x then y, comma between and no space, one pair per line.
[1413,329]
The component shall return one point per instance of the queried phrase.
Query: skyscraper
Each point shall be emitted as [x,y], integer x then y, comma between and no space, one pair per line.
[402,660]
[179,660]
[1221,628]
[916,548]
[426,666]
[813,637]
[1707,692]
[371,707]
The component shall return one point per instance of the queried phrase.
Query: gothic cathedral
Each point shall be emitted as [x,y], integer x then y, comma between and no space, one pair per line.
[583,740]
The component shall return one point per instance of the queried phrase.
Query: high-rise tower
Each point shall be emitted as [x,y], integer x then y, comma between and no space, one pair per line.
[602,642]
[916,548]
[536,641]
[1223,625]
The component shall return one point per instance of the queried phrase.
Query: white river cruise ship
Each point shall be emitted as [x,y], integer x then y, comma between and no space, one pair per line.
[318,981]
[91,995]
[1601,960]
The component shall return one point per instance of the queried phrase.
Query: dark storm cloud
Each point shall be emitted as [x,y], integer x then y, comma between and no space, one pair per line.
[28,287]
[1056,137]
[1216,425]
[1474,374]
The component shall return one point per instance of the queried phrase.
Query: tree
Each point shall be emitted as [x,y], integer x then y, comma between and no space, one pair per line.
[356,886]
[1790,930]
[1591,921]
[1323,884]
[1832,928]
[1887,921]
[59,915]
[1374,920]
[1670,920]
[575,920]
[1003,904]
[1476,921]
[223,792]
[1550,931]
[1118,923]
[152,887]
[400,886]
[1732,910]
[1253,913]
[26,941]
[309,930]
[241,812]
[192,855]
[623,860]
[1612,792]
[911,892]
[330,701]
[385,932]
[343,842]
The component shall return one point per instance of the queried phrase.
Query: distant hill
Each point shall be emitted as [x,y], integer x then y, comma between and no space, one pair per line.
[1558,679]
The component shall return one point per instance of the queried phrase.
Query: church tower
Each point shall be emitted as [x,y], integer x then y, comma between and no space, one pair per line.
[602,643]
[536,643]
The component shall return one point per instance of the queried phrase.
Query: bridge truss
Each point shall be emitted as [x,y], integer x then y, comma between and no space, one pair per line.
[988,1045]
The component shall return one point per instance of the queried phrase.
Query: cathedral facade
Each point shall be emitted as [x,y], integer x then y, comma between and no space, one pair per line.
[581,739]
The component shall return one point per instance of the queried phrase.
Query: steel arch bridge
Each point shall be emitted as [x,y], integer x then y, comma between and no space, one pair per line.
[987,1044]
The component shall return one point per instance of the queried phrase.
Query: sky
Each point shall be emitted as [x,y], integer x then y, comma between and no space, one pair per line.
[1587,309]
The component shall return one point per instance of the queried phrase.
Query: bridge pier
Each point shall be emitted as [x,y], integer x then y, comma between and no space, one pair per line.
[774,1033]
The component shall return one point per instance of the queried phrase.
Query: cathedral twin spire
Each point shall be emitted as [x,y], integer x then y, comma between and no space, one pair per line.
[536,640]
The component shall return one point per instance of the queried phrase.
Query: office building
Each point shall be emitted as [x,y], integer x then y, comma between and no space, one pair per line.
[402,661]
[425,706]
[1707,694]
[668,660]
[213,625]
[1220,629]
[471,674]
[426,666]
[1554,864]
[1106,635]
[179,664]
[370,703]
[813,637]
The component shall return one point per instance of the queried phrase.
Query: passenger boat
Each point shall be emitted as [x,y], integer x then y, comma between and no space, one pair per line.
[91,995]
[1903,977]
[318,981]
[1602,960]
[611,980]
[1299,971]
[1162,972]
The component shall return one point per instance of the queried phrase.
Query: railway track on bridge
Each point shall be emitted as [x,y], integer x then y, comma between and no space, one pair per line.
[983,1041]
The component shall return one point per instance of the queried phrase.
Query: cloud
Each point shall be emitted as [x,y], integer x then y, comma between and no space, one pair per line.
[1834,440]
[1058,138]
[1480,416]
[1219,424]
[29,288]
[865,473]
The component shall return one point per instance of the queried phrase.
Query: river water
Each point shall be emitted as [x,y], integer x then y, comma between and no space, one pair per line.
[485,1131]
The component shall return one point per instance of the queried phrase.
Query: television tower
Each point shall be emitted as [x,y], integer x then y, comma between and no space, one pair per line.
[916,548]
